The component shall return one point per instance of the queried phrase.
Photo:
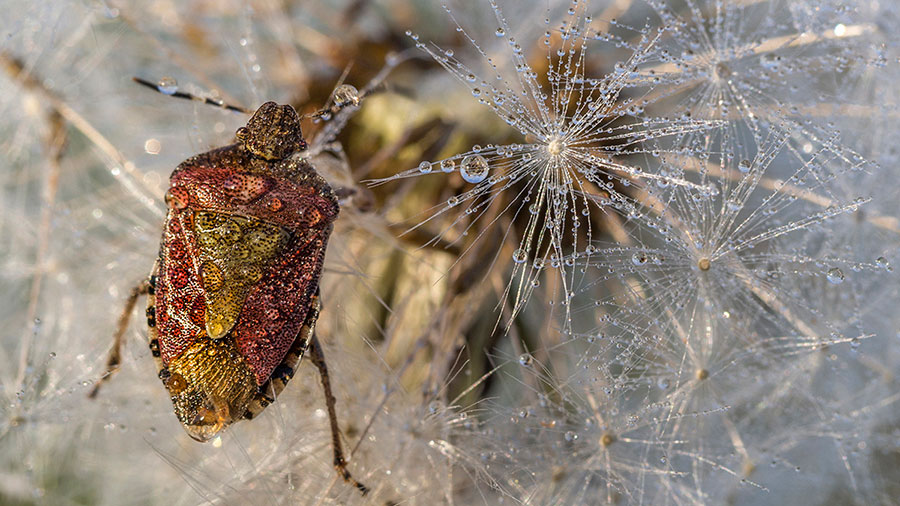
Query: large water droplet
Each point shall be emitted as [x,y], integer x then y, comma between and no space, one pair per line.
[345,95]
[474,168]
[525,359]
[835,276]
[167,85]
[744,166]
[519,256]
[425,167]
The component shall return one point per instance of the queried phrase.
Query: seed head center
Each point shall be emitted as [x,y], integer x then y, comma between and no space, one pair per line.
[721,71]
[555,147]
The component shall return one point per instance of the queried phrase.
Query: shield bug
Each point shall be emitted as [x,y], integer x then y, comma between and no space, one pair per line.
[233,297]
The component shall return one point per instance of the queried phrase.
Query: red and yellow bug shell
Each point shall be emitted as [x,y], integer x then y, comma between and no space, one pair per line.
[239,266]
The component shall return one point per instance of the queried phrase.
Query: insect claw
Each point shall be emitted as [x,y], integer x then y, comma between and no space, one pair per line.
[341,468]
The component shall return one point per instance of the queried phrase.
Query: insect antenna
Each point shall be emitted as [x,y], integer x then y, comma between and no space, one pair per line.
[172,91]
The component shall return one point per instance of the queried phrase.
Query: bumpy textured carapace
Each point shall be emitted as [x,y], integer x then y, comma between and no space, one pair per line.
[233,297]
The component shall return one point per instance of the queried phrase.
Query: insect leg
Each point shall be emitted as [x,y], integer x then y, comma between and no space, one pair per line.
[318,358]
[115,353]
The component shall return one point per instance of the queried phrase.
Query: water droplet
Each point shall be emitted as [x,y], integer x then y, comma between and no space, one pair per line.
[639,259]
[425,167]
[571,436]
[176,198]
[835,276]
[663,383]
[526,359]
[883,263]
[448,165]
[474,169]
[744,166]
[167,85]
[500,32]
[346,95]
[274,204]
[519,256]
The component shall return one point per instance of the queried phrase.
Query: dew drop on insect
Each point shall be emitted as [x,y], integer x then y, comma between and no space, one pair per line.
[639,259]
[474,168]
[345,95]
[167,85]
[744,166]
[835,276]
[448,165]
[500,32]
[174,199]
[525,359]
[425,167]
[519,256]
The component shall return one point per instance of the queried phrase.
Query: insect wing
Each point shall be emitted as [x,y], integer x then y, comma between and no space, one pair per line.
[276,309]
